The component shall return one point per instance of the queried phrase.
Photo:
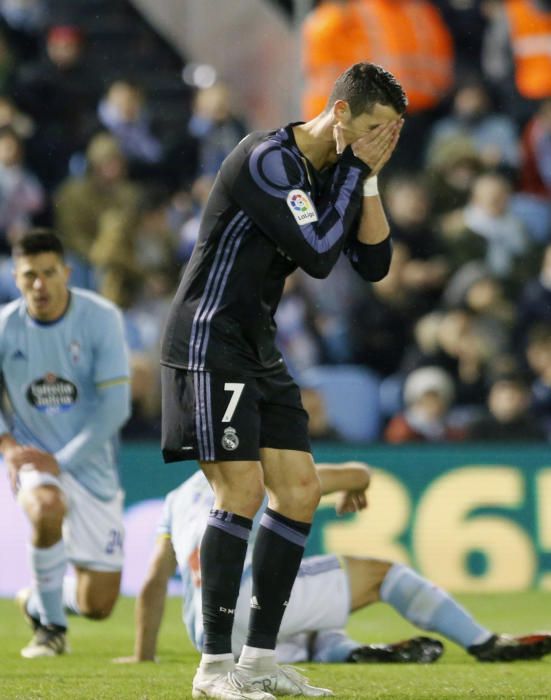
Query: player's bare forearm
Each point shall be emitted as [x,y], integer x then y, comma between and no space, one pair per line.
[150,604]
[150,607]
[347,476]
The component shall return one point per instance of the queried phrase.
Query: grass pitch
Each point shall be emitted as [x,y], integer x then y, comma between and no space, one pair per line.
[88,674]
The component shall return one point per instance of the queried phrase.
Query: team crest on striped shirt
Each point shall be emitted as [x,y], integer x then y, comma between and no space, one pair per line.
[301,207]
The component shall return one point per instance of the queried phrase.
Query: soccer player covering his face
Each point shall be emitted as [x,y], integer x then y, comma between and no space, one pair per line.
[64,368]
[295,197]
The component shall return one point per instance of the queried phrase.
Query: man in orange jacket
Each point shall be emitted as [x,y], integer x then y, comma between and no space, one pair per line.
[408,37]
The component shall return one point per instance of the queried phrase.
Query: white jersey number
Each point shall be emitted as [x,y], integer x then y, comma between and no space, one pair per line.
[237,390]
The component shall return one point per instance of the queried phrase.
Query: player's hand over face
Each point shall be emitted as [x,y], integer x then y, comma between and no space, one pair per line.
[376,147]
[350,502]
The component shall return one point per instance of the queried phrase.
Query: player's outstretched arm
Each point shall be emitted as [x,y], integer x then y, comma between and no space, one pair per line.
[110,414]
[351,479]
[150,603]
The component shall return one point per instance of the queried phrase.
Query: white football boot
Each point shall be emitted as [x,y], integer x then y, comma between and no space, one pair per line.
[221,680]
[264,673]
[47,641]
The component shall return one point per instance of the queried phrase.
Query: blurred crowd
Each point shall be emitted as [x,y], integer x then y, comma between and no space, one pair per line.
[457,337]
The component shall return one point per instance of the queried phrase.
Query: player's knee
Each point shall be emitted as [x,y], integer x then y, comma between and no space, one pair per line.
[45,508]
[311,493]
[98,609]
[242,501]
[300,500]
[257,498]
[97,613]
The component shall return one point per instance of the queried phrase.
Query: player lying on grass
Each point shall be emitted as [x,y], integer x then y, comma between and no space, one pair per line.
[326,590]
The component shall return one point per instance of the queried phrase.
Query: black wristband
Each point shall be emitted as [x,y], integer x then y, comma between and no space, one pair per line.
[348,158]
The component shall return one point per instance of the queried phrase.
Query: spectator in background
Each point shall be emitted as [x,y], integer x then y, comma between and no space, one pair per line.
[494,136]
[534,306]
[426,269]
[530,29]
[454,344]
[474,288]
[332,303]
[123,113]
[533,200]
[24,21]
[538,357]
[536,153]
[22,197]
[451,169]
[297,337]
[515,57]
[130,246]
[154,240]
[497,58]
[409,38]
[216,128]
[509,418]
[319,426]
[10,116]
[381,320]
[500,238]
[7,65]
[60,94]
[428,396]
[92,207]
[189,229]
[467,23]
[134,254]
[145,315]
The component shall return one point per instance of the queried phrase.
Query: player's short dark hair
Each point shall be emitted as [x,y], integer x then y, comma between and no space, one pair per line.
[363,85]
[36,241]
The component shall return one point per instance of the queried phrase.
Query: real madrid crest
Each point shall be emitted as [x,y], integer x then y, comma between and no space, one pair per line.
[230,441]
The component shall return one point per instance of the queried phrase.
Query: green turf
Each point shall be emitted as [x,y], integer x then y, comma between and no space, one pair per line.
[88,674]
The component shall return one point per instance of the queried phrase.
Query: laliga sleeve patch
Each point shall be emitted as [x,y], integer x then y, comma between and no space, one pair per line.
[301,207]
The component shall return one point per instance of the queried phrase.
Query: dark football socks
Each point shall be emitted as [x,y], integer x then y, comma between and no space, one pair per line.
[277,555]
[223,550]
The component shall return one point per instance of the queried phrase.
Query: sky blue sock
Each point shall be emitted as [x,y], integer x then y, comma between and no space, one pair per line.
[332,647]
[46,601]
[70,596]
[426,605]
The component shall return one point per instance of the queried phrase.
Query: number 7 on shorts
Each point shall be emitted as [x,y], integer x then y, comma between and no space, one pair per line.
[236,389]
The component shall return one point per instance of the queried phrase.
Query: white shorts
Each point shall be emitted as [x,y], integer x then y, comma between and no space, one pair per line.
[93,530]
[320,600]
